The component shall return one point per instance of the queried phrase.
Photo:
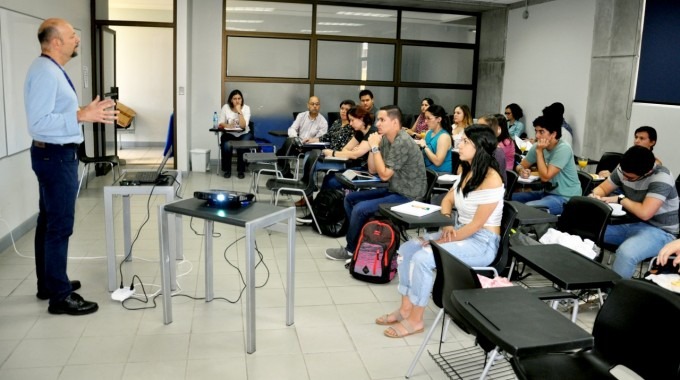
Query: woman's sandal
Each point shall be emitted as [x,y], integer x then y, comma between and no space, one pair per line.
[384,320]
[392,332]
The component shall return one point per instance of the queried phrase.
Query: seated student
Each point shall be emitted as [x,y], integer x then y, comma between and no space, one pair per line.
[420,124]
[396,160]
[514,113]
[649,194]
[462,118]
[645,136]
[473,238]
[357,148]
[234,114]
[340,132]
[307,125]
[556,110]
[505,141]
[437,143]
[554,160]
[491,122]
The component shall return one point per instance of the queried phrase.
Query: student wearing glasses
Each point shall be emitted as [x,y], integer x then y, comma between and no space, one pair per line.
[513,113]
[648,193]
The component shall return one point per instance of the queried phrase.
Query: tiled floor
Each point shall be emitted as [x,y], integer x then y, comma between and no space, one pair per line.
[334,336]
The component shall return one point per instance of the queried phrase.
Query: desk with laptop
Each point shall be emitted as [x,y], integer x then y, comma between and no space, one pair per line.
[131,182]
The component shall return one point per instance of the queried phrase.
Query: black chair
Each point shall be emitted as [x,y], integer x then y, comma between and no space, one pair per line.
[431,181]
[295,115]
[453,274]
[512,178]
[632,307]
[609,161]
[332,117]
[586,182]
[306,186]
[407,120]
[111,160]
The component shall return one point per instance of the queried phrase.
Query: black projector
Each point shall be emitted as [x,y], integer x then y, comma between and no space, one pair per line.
[225,198]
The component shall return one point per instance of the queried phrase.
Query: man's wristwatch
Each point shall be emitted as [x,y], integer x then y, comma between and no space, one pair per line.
[375,149]
[620,198]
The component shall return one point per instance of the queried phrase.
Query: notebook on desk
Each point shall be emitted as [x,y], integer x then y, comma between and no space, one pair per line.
[147,177]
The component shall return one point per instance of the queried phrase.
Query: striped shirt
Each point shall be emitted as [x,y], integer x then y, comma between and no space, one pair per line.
[660,185]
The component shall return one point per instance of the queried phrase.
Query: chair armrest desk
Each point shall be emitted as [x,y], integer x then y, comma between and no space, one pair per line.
[528,215]
[253,218]
[509,317]
[359,184]
[435,219]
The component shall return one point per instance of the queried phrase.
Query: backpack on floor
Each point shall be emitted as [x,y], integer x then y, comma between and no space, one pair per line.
[329,209]
[375,258]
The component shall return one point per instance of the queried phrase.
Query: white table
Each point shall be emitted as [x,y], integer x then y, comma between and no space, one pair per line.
[126,192]
[253,218]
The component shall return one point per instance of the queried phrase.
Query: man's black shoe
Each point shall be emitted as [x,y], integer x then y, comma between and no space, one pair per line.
[287,175]
[227,174]
[241,175]
[44,295]
[74,304]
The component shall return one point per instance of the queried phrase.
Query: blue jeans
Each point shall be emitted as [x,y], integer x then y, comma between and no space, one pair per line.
[361,205]
[554,203]
[57,170]
[637,242]
[416,269]
[227,152]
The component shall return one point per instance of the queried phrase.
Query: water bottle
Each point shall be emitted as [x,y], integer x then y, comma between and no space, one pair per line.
[216,120]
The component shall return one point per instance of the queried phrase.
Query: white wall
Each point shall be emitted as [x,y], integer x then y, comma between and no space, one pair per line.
[144,78]
[548,60]
[205,59]
[664,119]
[19,189]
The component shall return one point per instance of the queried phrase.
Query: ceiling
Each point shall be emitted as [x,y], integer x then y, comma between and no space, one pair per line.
[455,5]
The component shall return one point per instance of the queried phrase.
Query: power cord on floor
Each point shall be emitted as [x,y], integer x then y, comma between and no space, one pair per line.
[177,294]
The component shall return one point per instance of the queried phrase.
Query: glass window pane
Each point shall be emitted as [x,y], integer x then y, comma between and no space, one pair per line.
[271,105]
[264,16]
[410,98]
[332,95]
[443,27]
[361,61]
[253,57]
[156,11]
[362,22]
[436,65]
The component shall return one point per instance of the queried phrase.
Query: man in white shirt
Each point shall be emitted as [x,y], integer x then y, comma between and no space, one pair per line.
[307,125]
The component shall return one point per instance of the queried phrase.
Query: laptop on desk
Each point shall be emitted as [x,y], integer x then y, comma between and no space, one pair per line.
[148,177]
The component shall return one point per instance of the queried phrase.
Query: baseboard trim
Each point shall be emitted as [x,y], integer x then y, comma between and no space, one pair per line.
[18,232]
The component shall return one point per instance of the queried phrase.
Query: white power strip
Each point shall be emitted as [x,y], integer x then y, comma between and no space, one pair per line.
[122,294]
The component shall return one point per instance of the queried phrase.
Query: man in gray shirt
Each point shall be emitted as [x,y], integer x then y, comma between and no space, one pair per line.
[396,159]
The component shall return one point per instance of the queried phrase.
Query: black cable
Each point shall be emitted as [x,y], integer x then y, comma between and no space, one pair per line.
[243,282]
[215,234]
[139,230]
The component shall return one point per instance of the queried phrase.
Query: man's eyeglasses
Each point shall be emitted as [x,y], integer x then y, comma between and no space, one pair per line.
[632,178]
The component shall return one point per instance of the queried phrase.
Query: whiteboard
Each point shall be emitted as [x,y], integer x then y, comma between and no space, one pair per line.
[20,46]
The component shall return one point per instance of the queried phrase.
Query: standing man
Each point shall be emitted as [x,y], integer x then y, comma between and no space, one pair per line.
[396,159]
[53,122]
[554,160]
[649,194]
[366,100]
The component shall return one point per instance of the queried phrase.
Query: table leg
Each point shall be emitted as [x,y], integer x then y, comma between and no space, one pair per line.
[110,239]
[290,283]
[208,230]
[165,264]
[127,240]
[250,289]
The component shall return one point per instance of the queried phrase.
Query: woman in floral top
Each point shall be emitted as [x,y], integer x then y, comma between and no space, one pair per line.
[340,132]
[420,125]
